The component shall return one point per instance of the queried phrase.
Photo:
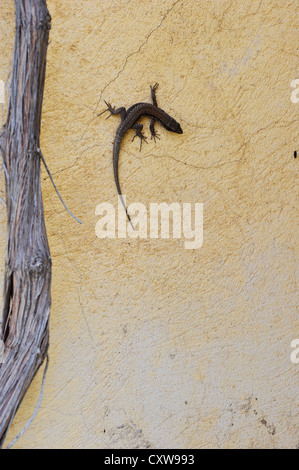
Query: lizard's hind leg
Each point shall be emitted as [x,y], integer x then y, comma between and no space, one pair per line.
[138,127]
[122,111]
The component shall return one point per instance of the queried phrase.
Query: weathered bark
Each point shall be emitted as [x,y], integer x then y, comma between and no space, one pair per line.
[26,307]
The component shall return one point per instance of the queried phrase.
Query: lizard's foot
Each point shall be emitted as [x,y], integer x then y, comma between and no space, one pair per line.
[122,111]
[141,136]
[153,88]
[109,108]
[154,135]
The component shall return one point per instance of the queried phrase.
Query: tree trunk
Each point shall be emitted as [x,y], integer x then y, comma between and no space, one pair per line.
[26,307]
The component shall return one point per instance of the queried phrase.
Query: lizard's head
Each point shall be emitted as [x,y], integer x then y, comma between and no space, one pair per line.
[178,128]
[174,126]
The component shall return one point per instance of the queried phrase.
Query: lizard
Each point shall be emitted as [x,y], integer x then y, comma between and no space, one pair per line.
[129,120]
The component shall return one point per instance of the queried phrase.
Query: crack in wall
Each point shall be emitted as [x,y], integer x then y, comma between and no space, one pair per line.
[147,37]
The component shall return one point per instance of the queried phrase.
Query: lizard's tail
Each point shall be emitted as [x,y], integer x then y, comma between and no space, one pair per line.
[116,148]
[125,207]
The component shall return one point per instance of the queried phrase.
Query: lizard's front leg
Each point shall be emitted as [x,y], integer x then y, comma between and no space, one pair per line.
[153,93]
[138,127]
[154,134]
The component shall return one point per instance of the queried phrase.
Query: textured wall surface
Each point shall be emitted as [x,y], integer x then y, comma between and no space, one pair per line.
[154,345]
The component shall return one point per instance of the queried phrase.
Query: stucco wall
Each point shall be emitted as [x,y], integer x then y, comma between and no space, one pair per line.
[154,345]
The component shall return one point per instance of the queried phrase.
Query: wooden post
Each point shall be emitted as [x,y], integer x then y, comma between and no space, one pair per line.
[26,308]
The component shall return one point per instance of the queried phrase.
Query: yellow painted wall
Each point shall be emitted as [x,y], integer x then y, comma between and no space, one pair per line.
[154,345]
